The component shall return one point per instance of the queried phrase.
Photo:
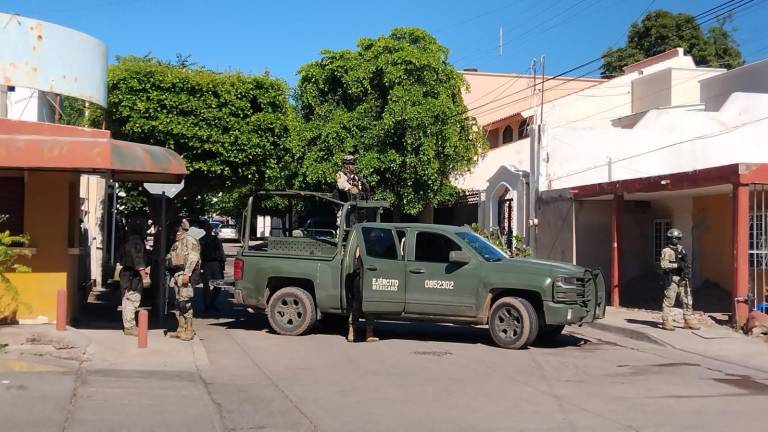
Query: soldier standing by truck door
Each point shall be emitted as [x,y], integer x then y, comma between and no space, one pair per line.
[355,302]
[213,259]
[184,262]
[133,274]
[674,264]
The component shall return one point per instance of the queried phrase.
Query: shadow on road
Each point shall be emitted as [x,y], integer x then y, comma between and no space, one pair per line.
[654,324]
[392,330]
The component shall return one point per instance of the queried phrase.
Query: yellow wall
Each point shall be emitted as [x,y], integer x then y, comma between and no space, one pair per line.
[712,221]
[48,210]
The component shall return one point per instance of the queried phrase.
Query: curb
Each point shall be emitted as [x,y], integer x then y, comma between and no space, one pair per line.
[629,333]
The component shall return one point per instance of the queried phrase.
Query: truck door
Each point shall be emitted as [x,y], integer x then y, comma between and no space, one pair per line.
[435,285]
[383,269]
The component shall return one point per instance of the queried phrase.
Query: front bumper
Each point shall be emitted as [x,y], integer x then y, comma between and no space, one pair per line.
[564,314]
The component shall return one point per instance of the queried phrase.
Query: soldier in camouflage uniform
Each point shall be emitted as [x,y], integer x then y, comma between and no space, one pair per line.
[184,260]
[674,263]
[133,274]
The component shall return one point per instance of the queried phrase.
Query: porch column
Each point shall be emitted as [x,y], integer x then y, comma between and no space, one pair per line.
[740,251]
[617,227]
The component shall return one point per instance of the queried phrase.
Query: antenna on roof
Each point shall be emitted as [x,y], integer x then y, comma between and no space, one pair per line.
[501,40]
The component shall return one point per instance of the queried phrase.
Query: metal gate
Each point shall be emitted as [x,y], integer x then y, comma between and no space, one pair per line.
[506,221]
[758,243]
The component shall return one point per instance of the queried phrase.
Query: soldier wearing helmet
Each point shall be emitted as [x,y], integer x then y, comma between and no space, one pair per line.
[184,261]
[674,264]
[133,275]
[349,184]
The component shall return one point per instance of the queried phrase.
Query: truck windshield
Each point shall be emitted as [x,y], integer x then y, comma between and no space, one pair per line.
[486,250]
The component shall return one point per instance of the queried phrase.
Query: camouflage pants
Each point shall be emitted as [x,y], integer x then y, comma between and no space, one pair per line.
[131,286]
[184,293]
[677,287]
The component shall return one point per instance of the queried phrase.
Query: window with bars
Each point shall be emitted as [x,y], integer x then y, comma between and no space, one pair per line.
[758,240]
[660,228]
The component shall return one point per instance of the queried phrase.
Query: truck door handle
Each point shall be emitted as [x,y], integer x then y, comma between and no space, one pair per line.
[416,270]
[371,267]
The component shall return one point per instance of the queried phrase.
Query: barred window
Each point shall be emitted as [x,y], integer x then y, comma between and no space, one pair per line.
[660,228]
[758,241]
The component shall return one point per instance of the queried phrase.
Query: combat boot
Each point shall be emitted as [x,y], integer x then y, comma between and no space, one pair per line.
[351,333]
[132,331]
[667,325]
[180,329]
[189,332]
[690,324]
[369,337]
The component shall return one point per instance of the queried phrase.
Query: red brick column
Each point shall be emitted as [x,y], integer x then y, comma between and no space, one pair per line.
[740,251]
[617,227]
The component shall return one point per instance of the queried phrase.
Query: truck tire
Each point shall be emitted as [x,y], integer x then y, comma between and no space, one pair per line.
[513,323]
[291,311]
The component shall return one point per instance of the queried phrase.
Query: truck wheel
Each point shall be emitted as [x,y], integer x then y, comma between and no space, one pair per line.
[548,332]
[513,323]
[291,311]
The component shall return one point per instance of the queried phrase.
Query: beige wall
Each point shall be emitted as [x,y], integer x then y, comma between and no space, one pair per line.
[669,87]
[502,95]
[554,238]
[713,218]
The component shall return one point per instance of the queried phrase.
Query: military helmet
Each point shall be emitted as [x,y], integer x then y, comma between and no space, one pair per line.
[348,160]
[675,233]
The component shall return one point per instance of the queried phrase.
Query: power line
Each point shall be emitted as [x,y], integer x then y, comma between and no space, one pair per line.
[585,64]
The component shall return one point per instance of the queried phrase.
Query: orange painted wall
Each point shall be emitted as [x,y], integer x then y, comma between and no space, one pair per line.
[48,212]
[712,216]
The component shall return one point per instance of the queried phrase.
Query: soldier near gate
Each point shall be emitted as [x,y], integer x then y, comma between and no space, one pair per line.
[674,264]
[213,261]
[133,274]
[184,262]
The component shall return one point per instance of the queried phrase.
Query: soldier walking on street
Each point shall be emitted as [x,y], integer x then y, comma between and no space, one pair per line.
[213,258]
[674,264]
[133,274]
[184,261]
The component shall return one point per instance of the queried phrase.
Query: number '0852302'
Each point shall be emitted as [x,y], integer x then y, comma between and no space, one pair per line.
[438,284]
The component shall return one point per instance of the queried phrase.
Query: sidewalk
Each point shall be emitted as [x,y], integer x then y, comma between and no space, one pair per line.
[157,388]
[713,341]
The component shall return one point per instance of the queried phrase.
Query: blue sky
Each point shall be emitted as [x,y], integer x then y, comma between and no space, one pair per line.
[281,36]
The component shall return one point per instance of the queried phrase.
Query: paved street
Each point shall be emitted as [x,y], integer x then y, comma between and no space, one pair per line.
[419,377]
[240,376]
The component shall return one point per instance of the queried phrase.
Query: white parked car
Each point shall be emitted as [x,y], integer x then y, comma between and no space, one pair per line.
[228,233]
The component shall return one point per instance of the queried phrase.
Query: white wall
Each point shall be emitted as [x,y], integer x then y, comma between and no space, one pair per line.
[751,78]
[663,142]
[30,105]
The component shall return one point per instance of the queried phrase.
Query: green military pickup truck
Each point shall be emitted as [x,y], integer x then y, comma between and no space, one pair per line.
[410,272]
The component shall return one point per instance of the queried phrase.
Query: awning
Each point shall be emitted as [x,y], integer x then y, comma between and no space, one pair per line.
[45,146]
[733,174]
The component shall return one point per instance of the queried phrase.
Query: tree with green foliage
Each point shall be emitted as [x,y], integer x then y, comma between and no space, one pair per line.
[12,248]
[230,128]
[661,31]
[395,102]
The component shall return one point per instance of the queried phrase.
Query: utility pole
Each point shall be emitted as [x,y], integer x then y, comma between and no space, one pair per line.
[3,101]
[532,178]
[501,41]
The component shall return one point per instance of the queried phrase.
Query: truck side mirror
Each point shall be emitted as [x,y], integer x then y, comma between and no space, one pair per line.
[459,257]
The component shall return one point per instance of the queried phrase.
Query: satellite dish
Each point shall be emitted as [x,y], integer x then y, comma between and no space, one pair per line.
[170,189]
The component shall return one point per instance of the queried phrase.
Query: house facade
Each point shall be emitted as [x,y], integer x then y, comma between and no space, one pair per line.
[666,144]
